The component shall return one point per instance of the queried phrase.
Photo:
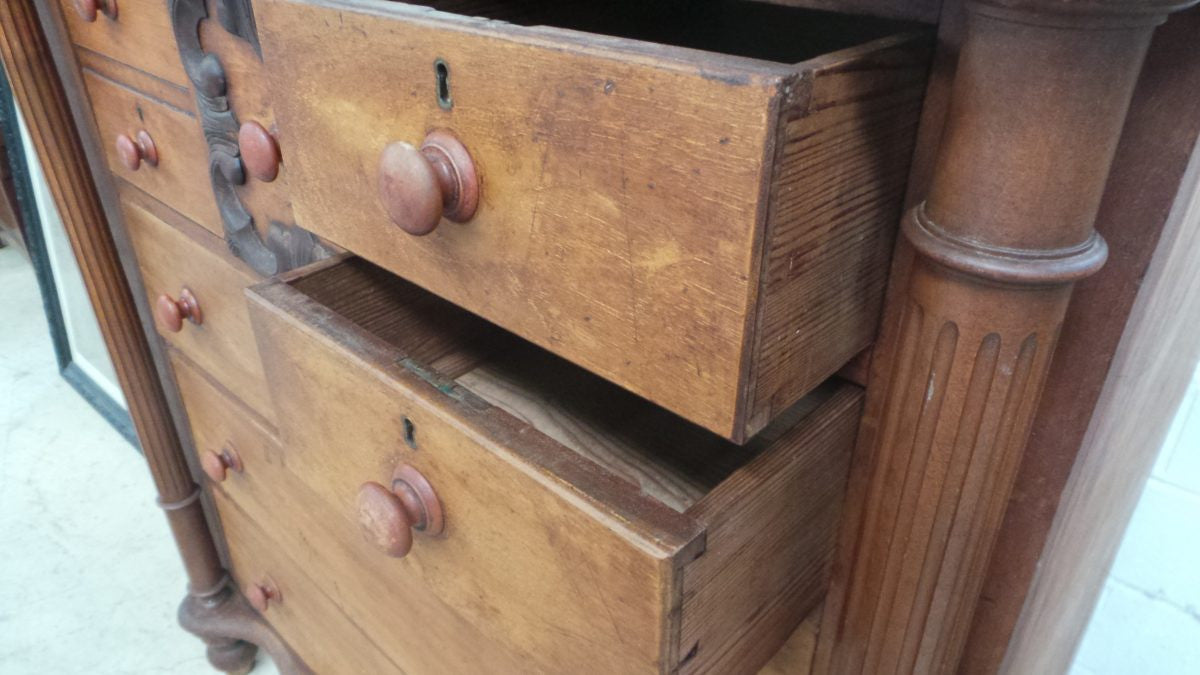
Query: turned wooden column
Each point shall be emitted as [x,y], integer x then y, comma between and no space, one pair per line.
[1036,110]
[212,609]
[43,104]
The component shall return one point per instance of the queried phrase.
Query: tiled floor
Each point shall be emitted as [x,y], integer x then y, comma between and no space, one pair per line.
[1148,618]
[89,576]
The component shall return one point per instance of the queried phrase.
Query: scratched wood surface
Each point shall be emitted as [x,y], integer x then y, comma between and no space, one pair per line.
[565,557]
[626,186]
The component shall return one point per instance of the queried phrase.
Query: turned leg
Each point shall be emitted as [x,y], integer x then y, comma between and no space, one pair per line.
[212,610]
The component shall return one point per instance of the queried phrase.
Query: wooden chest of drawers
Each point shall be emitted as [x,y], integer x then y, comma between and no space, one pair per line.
[497,335]
[571,410]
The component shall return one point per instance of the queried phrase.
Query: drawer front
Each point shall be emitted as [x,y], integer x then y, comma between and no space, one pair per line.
[709,231]
[546,560]
[620,192]
[139,35]
[559,551]
[325,569]
[174,254]
[309,621]
[180,177]
[260,540]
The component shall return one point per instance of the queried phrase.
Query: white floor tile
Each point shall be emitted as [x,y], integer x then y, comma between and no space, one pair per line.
[1161,550]
[89,576]
[1132,634]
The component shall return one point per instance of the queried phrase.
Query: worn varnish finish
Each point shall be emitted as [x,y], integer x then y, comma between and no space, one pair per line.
[630,193]
[551,556]
[840,172]
[956,380]
[308,621]
[267,247]
[175,254]
[134,37]
[120,110]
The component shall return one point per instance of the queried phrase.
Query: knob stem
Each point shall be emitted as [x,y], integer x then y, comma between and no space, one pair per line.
[217,464]
[88,9]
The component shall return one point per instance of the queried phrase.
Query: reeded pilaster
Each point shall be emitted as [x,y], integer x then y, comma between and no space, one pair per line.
[1036,110]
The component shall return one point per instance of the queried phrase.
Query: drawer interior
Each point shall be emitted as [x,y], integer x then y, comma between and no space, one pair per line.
[735,27]
[670,459]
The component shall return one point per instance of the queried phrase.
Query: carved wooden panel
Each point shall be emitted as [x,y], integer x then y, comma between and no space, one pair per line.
[285,245]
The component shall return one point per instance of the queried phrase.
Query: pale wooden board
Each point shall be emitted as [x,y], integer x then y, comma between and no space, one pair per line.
[772,527]
[173,95]
[312,624]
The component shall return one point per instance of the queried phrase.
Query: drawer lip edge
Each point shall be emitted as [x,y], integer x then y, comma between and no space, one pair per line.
[734,69]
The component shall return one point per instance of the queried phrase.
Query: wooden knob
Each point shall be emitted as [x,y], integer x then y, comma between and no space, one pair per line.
[388,517]
[420,187]
[133,151]
[216,464]
[262,594]
[259,150]
[88,9]
[171,312]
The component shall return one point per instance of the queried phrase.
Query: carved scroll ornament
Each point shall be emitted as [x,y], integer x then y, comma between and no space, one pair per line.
[286,245]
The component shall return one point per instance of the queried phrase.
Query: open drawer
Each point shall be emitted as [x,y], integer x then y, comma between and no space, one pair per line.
[694,200]
[582,529]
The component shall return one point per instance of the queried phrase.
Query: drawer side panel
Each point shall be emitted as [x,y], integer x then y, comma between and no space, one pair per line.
[835,209]
[771,533]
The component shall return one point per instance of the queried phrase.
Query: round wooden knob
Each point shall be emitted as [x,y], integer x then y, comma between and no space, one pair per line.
[171,312]
[260,151]
[388,517]
[88,9]
[262,594]
[420,187]
[133,151]
[217,464]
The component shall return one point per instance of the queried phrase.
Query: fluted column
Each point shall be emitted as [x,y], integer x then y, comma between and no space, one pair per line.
[1037,106]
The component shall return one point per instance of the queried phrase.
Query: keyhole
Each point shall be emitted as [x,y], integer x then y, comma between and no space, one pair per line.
[442,70]
[410,433]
